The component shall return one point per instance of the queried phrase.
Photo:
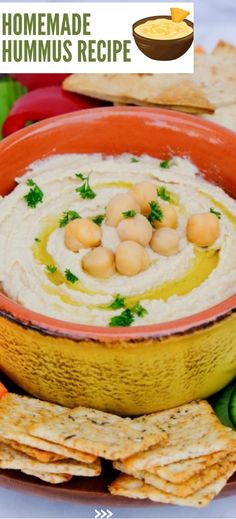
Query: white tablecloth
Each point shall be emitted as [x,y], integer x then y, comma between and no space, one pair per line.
[220,16]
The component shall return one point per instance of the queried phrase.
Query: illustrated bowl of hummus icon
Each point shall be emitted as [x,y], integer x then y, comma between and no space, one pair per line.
[160,38]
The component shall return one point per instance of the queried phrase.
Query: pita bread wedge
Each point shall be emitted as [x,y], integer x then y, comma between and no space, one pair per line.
[129,486]
[101,434]
[43,456]
[54,479]
[213,85]
[193,429]
[11,459]
[18,413]
[186,469]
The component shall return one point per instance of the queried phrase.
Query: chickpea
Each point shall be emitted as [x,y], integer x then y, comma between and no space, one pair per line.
[169,218]
[119,204]
[82,233]
[165,241]
[143,193]
[136,229]
[203,229]
[99,262]
[131,258]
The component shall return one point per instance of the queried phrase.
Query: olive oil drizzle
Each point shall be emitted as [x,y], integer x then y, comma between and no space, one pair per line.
[205,261]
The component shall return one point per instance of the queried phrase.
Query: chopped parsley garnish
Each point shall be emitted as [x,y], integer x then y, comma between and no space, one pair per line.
[98,219]
[70,276]
[37,240]
[215,212]
[139,310]
[67,217]
[126,318]
[163,193]
[119,302]
[134,159]
[85,190]
[81,176]
[35,194]
[155,213]
[165,164]
[51,269]
[129,214]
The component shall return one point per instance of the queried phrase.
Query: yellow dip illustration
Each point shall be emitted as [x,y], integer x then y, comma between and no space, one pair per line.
[163,29]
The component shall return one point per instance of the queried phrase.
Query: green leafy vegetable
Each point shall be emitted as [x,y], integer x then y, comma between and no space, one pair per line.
[85,190]
[70,276]
[35,194]
[98,219]
[163,193]
[126,318]
[37,240]
[215,212]
[67,217]
[129,214]
[51,269]
[155,213]
[81,176]
[134,159]
[165,164]
[119,302]
[139,310]
[10,91]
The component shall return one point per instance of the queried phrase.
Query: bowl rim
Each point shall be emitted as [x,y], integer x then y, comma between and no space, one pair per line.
[168,17]
[45,325]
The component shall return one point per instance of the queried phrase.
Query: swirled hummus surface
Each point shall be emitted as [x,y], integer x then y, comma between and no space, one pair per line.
[163,29]
[34,261]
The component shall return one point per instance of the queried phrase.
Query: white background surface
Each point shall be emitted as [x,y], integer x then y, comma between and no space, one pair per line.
[214,19]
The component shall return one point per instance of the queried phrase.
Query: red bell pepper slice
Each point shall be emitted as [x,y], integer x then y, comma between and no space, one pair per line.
[34,81]
[3,390]
[44,103]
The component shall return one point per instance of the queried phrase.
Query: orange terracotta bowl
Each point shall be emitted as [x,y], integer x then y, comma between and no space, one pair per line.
[140,369]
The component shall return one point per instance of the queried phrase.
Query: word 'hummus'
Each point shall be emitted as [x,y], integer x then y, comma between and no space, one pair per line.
[117,241]
[163,29]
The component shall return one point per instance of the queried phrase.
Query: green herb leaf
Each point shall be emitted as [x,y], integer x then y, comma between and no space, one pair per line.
[155,213]
[10,91]
[119,302]
[129,214]
[134,159]
[51,269]
[37,240]
[35,194]
[85,190]
[70,276]
[67,217]
[215,212]
[98,219]
[139,310]
[165,164]
[81,176]
[163,193]
[126,318]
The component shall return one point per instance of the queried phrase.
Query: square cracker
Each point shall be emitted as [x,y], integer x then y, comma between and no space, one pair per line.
[11,459]
[99,433]
[54,479]
[193,429]
[186,469]
[129,486]
[34,453]
[18,413]
[181,489]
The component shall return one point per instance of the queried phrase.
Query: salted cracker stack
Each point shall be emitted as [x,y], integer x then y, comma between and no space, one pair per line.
[190,469]
[18,414]
[98,433]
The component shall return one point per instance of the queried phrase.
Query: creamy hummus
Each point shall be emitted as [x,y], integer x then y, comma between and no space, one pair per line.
[31,240]
[163,29]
